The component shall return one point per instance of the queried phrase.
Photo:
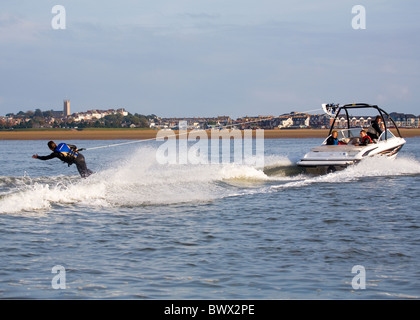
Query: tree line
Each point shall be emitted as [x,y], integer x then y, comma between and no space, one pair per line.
[43,119]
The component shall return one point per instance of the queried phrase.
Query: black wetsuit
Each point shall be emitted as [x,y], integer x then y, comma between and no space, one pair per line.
[374,131]
[331,141]
[79,161]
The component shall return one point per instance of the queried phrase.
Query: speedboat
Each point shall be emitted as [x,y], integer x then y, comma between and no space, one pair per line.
[330,158]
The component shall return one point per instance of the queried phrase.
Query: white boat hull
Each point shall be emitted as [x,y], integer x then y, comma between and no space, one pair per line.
[327,158]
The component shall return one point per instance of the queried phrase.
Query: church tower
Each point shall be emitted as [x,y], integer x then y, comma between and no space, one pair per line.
[66,111]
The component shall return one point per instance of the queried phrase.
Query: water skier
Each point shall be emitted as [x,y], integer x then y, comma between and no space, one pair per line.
[69,154]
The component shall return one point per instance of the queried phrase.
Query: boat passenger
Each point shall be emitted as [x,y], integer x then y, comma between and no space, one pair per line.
[376,128]
[365,139]
[332,139]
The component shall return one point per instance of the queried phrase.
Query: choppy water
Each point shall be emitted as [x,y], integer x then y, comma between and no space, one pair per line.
[138,229]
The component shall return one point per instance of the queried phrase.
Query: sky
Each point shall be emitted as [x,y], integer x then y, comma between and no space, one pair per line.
[204,58]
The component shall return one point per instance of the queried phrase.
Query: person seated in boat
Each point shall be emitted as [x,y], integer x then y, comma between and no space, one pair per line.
[376,128]
[364,139]
[333,139]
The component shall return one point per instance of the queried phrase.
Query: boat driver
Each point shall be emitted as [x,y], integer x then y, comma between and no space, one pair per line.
[364,139]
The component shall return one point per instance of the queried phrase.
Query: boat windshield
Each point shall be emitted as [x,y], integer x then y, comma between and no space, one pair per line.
[347,136]
[349,133]
[389,135]
[351,136]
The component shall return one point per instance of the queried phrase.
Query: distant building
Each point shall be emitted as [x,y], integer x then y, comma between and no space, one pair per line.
[300,120]
[57,114]
[285,122]
[321,121]
[92,115]
[66,110]
[404,120]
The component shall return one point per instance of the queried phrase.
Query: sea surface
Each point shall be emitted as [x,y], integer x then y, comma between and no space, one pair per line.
[139,229]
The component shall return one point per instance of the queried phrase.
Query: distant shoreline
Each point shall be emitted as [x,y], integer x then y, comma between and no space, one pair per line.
[142,134]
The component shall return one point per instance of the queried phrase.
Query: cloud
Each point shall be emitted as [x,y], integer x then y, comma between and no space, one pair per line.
[15,29]
[200,16]
[392,92]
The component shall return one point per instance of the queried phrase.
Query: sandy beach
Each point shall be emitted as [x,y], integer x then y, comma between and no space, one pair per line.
[141,134]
